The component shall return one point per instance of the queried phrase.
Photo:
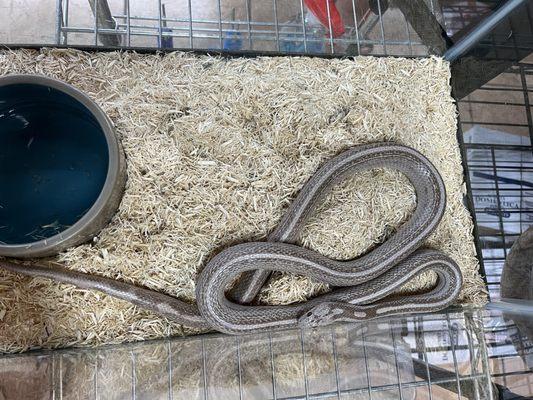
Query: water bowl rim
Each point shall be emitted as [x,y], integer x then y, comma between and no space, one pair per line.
[74,234]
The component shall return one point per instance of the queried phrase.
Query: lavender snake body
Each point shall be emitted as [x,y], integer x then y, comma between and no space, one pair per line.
[362,287]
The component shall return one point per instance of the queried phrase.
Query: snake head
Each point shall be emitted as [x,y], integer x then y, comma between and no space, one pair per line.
[322,314]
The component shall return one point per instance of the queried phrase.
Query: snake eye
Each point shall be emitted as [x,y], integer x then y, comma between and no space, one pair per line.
[309,314]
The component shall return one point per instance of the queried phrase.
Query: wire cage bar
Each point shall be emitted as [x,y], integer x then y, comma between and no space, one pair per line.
[466,354]
[370,26]
[433,356]
[497,127]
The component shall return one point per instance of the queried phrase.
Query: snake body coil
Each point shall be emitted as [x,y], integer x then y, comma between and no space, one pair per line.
[362,287]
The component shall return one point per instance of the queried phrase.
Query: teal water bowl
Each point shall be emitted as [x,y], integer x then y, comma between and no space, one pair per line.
[62,168]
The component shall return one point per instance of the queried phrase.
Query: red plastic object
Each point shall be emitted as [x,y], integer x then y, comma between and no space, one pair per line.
[320,9]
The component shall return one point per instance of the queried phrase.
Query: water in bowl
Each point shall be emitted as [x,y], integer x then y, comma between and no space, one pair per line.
[53,162]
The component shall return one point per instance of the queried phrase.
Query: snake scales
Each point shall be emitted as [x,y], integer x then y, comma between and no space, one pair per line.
[362,287]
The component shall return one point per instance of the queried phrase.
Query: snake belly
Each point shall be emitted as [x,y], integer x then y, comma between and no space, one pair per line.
[362,286]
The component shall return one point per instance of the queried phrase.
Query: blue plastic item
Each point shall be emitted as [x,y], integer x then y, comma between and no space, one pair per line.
[167,42]
[233,41]
[53,162]
[314,44]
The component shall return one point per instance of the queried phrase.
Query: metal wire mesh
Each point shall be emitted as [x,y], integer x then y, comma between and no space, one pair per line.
[266,26]
[469,354]
[498,128]
[461,14]
[439,356]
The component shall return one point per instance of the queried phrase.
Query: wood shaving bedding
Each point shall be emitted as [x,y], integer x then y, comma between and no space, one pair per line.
[217,149]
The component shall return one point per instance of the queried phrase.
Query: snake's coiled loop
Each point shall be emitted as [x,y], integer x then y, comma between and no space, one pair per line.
[361,282]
